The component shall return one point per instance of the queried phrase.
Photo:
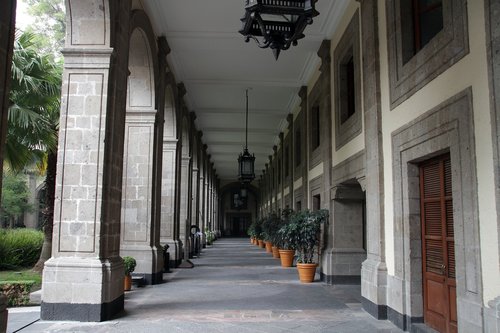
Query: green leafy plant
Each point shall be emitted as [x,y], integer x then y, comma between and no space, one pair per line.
[302,233]
[17,292]
[255,229]
[15,196]
[129,263]
[270,227]
[209,236]
[19,247]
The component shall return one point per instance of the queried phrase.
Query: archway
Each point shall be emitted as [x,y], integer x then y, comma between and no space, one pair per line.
[138,237]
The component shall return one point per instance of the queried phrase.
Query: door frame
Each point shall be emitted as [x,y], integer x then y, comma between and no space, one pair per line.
[449,127]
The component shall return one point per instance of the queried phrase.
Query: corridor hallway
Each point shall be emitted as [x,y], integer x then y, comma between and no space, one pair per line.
[235,287]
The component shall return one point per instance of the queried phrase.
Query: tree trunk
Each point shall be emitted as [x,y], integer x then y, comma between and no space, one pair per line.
[48,211]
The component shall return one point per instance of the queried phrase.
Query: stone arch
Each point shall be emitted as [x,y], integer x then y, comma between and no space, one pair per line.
[346,239]
[235,219]
[185,184]
[87,23]
[139,233]
[169,233]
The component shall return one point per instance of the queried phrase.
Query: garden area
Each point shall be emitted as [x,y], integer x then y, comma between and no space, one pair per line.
[19,251]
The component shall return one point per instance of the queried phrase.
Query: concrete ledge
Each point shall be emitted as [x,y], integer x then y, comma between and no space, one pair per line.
[82,312]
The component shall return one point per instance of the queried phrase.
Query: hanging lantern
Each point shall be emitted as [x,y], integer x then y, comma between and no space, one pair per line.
[246,172]
[277,24]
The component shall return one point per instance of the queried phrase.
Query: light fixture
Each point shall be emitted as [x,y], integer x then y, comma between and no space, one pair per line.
[246,161]
[277,24]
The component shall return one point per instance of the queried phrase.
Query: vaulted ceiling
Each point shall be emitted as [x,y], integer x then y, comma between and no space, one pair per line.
[211,58]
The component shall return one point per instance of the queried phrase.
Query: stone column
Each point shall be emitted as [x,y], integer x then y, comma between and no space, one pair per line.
[7,28]
[167,233]
[195,196]
[137,239]
[374,269]
[83,280]
[184,204]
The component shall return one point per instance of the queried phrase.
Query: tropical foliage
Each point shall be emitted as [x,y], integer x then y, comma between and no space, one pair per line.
[34,103]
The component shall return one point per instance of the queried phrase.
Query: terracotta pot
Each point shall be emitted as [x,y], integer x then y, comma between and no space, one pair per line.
[261,243]
[286,257]
[251,240]
[269,247]
[306,272]
[276,252]
[127,283]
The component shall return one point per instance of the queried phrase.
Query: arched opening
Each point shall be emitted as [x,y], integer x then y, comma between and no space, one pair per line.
[138,238]
[169,236]
[346,249]
[185,189]
[239,207]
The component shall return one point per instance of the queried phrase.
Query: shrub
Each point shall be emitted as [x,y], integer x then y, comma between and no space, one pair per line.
[19,247]
[18,293]
[129,263]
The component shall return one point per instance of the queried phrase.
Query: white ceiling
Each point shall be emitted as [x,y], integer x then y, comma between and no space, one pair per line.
[211,58]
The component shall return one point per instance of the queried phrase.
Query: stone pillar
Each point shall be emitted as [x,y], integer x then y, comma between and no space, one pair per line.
[167,233]
[195,196]
[184,207]
[137,238]
[7,28]
[374,269]
[83,280]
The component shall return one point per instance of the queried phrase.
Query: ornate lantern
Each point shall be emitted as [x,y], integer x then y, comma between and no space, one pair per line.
[278,23]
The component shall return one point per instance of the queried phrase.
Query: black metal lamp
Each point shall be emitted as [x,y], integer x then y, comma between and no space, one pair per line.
[246,161]
[278,23]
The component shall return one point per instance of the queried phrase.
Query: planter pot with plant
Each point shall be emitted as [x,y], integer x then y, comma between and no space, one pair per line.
[285,240]
[129,263]
[302,233]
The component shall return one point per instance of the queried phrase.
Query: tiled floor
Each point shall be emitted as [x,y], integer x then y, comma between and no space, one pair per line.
[234,287]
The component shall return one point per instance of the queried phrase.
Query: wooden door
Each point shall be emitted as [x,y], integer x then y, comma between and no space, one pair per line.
[438,246]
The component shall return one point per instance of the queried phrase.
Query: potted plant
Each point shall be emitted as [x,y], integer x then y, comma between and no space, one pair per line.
[129,263]
[270,226]
[286,242]
[305,236]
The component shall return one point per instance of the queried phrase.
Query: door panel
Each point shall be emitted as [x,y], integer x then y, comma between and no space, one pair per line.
[438,246]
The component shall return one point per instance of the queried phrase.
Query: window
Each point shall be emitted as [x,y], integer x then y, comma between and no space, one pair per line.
[316,202]
[315,127]
[347,88]
[298,206]
[424,39]
[347,82]
[287,161]
[298,148]
[421,20]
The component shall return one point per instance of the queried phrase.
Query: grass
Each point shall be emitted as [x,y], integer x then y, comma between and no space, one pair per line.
[22,274]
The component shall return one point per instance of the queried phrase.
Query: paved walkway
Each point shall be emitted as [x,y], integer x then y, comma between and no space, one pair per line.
[235,287]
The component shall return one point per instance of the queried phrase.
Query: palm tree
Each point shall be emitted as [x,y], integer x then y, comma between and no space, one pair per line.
[34,106]
[33,121]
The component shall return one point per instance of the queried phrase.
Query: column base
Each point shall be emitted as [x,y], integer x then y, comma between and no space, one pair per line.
[149,262]
[492,316]
[374,288]
[175,251]
[83,289]
[342,266]
[82,312]
[3,313]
